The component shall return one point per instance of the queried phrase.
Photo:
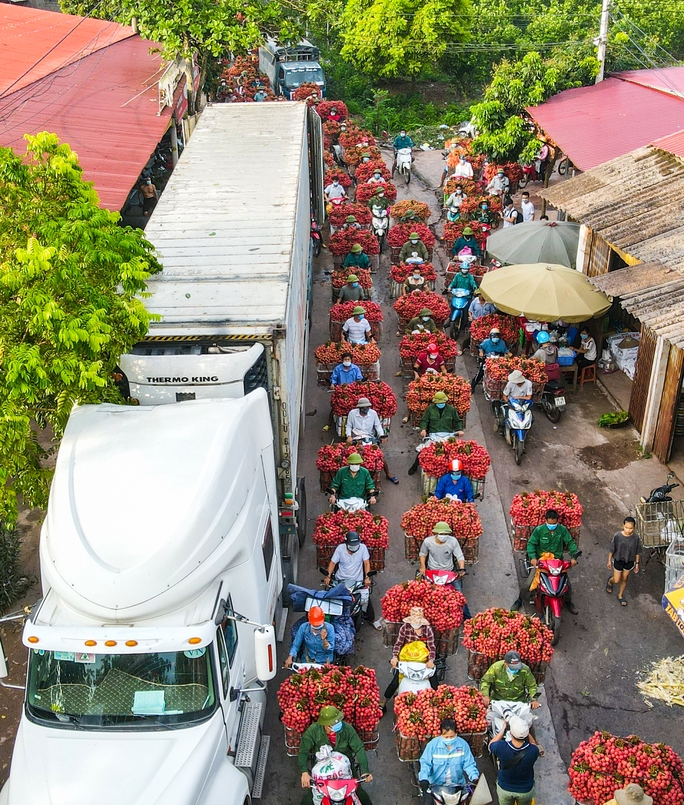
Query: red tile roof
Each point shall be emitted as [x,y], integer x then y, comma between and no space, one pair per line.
[596,124]
[97,90]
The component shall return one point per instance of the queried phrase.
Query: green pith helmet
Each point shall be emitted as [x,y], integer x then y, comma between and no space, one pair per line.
[330,715]
[440,397]
[467,231]
[355,458]
[441,528]
[425,312]
[414,236]
[352,278]
[351,219]
[356,248]
[358,311]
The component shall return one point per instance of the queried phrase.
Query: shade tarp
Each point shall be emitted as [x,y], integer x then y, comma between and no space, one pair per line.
[544,292]
[673,604]
[536,242]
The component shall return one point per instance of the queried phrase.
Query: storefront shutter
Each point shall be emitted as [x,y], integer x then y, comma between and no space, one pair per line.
[642,377]
[667,414]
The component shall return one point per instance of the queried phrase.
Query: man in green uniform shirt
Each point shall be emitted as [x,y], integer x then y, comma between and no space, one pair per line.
[356,258]
[331,730]
[422,323]
[551,537]
[353,481]
[439,417]
[414,250]
[352,291]
[509,680]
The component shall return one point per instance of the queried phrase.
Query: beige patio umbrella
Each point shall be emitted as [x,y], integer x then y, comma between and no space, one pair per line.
[544,292]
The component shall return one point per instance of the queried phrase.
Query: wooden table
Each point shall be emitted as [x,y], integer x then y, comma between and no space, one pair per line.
[570,370]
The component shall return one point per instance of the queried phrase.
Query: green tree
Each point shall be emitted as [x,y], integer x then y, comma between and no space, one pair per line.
[70,275]
[391,38]
[505,132]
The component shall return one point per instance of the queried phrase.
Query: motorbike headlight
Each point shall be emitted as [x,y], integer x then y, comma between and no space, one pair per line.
[337,795]
[555,571]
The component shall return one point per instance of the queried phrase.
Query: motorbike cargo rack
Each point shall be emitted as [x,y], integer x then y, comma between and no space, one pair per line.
[658,524]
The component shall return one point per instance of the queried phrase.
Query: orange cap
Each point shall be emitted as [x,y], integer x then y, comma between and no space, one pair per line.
[316,616]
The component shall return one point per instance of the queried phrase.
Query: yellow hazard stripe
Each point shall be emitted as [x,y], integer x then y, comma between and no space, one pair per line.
[211,339]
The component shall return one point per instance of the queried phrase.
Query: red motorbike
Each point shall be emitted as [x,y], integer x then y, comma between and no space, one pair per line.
[337,792]
[530,174]
[551,592]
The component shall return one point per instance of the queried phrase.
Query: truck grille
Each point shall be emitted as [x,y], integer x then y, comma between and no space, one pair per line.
[257,376]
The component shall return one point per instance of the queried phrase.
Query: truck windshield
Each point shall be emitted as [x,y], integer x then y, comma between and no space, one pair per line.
[297,76]
[106,690]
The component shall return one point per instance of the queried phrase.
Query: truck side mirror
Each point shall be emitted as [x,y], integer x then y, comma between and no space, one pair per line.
[265,653]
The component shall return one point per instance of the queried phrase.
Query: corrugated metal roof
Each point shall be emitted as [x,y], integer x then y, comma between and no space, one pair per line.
[596,124]
[674,143]
[224,228]
[98,103]
[35,43]
[636,203]
[664,79]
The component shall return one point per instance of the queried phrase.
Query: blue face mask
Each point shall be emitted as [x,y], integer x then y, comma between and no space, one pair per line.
[455,476]
[494,339]
[484,206]
[355,284]
[552,526]
[514,671]
[440,405]
[336,727]
[584,336]
[360,316]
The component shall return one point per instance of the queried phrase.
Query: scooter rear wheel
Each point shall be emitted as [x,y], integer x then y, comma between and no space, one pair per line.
[408,175]
[522,182]
[553,414]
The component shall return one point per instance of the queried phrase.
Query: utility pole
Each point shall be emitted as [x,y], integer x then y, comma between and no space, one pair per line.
[602,40]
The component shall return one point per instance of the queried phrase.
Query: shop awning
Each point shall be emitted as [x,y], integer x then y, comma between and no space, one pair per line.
[97,90]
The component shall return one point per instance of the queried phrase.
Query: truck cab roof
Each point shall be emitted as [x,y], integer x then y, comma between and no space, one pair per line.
[150,503]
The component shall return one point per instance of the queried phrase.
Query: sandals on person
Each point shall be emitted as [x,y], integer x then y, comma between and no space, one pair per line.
[394,480]
[609,586]
[623,602]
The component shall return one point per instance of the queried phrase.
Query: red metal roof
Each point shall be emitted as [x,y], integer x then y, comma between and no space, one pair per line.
[665,79]
[35,43]
[674,143]
[596,124]
[103,99]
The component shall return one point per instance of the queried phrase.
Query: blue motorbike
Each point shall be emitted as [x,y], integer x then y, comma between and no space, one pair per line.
[460,302]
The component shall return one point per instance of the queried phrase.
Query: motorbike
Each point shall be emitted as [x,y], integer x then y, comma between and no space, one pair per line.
[460,301]
[337,792]
[415,676]
[661,494]
[530,174]
[337,603]
[359,592]
[515,417]
[551,592]
[502,711]
[451,794]
[380,224]
[553,400]
[316,239]
[404,161]
[338,154]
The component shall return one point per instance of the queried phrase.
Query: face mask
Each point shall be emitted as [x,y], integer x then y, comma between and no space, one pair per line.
[464,271]
[416,276]
[414,242]
[495,339]
[355,284]
[455,476]
[316,629]
[335,184]
[484,206]
[513,671]
[425,318]
[336,727]
[346,363]
[365,159]
[360,317]
[403,134]
[363,411]
[440,405]
[353,548]
[448,741]
[552,526]
[584,336]
[459,193]
[377,175]
[354,468]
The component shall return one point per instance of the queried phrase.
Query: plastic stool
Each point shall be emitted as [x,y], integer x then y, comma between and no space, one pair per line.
[588,374]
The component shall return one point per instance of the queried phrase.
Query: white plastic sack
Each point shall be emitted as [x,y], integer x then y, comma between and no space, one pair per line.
[330,765]
[351,504]
[498,712]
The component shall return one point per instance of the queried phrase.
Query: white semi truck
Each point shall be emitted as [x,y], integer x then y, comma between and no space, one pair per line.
[160,554]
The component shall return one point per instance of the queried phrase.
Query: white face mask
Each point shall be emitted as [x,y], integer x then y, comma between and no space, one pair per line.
[354,468]
[346,363]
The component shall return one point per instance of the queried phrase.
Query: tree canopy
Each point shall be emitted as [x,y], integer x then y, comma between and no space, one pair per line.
[391,38]
[69,279]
